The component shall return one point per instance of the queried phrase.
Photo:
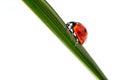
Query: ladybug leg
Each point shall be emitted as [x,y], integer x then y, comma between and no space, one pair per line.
[67,29]
[77,41]
[72,37]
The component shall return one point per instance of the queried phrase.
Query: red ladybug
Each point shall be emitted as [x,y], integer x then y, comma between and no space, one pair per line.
[78,31]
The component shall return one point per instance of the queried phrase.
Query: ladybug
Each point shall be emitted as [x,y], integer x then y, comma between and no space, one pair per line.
[78,31]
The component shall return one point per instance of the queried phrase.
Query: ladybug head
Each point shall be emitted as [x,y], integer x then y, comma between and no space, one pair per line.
[70,25]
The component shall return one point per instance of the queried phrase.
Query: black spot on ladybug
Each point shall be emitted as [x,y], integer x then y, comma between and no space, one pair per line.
[85,30]
[79,32]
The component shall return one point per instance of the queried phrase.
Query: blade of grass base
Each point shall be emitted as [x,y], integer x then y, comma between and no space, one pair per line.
[46,13]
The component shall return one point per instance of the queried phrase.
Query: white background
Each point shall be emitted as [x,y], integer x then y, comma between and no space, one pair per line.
[30,51]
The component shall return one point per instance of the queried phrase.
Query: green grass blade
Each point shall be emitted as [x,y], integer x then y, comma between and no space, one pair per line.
[46,13]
